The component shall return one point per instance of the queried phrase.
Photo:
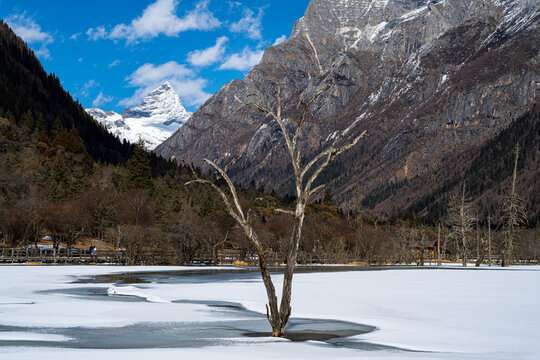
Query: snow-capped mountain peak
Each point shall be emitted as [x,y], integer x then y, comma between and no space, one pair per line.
[156,118]
[162,102]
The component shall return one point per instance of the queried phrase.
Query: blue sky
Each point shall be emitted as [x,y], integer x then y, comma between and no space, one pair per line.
[108,54]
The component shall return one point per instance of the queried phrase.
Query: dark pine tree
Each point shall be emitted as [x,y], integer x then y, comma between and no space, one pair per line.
[139,171]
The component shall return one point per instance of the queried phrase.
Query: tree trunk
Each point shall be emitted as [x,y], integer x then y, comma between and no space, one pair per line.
[285,306]
[439,262]
[272,313]
[489,240]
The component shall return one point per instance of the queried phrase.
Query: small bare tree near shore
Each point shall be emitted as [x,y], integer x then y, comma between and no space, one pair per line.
[304,176]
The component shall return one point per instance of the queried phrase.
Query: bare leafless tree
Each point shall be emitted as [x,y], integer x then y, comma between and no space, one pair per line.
[461,222]
[514,216]
[304,176]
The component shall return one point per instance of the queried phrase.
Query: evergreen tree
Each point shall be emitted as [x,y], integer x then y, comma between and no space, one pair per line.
[40,124]
[327,199]
[9,115]
[56,128]
[139,171]
[58,176]
[27,120]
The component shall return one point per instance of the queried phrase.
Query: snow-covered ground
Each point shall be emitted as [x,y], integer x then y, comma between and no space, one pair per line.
[437,314]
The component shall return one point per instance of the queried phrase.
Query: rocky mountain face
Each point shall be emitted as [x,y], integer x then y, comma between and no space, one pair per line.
[156,118]
[428,80]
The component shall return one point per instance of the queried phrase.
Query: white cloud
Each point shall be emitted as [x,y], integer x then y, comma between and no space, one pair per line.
[234,4]
[146,78]
[250,24]
[242,61]
[114,63]
[280,39]
[97,33]
[159,18]
[75,36]
[84,91]
[102,100]
[209,55]
[31,32]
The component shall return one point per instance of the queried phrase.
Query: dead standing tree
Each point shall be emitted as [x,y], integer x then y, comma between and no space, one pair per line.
[514,215]
[304,176]
[461,222]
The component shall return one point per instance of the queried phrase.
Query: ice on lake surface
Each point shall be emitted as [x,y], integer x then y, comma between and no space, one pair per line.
[141,312]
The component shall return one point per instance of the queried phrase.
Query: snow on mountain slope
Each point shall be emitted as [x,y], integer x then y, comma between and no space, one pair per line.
[154,120]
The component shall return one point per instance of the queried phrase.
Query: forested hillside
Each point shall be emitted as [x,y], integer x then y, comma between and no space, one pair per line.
[486,170]
[24,85]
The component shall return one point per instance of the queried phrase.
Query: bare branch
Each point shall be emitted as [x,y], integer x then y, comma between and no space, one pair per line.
[236,211]
[259,107]
[232,188]
[237,217]
[277,117]
[306,109]
[301,123]
[231,162]
[318,188]
[331,154]
[284,211]
[193,171]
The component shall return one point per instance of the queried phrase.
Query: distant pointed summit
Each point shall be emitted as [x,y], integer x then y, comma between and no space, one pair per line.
[156,118]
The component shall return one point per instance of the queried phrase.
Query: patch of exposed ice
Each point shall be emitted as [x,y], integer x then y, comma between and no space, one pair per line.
[134,291]
[31,336]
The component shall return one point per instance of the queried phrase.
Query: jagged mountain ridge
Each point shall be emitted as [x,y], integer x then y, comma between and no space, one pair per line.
[156,118]
[427,79]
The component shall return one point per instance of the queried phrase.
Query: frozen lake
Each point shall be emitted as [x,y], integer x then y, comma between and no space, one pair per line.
[83,312]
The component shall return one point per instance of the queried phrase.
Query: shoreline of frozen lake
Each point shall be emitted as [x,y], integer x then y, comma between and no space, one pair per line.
[435,313]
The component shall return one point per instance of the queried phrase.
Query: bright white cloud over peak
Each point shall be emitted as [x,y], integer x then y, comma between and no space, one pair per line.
[102,100]
[185,82]
[31,32]
[209,55]
[159,18]
[85,89]
[242,61]
[249,24]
